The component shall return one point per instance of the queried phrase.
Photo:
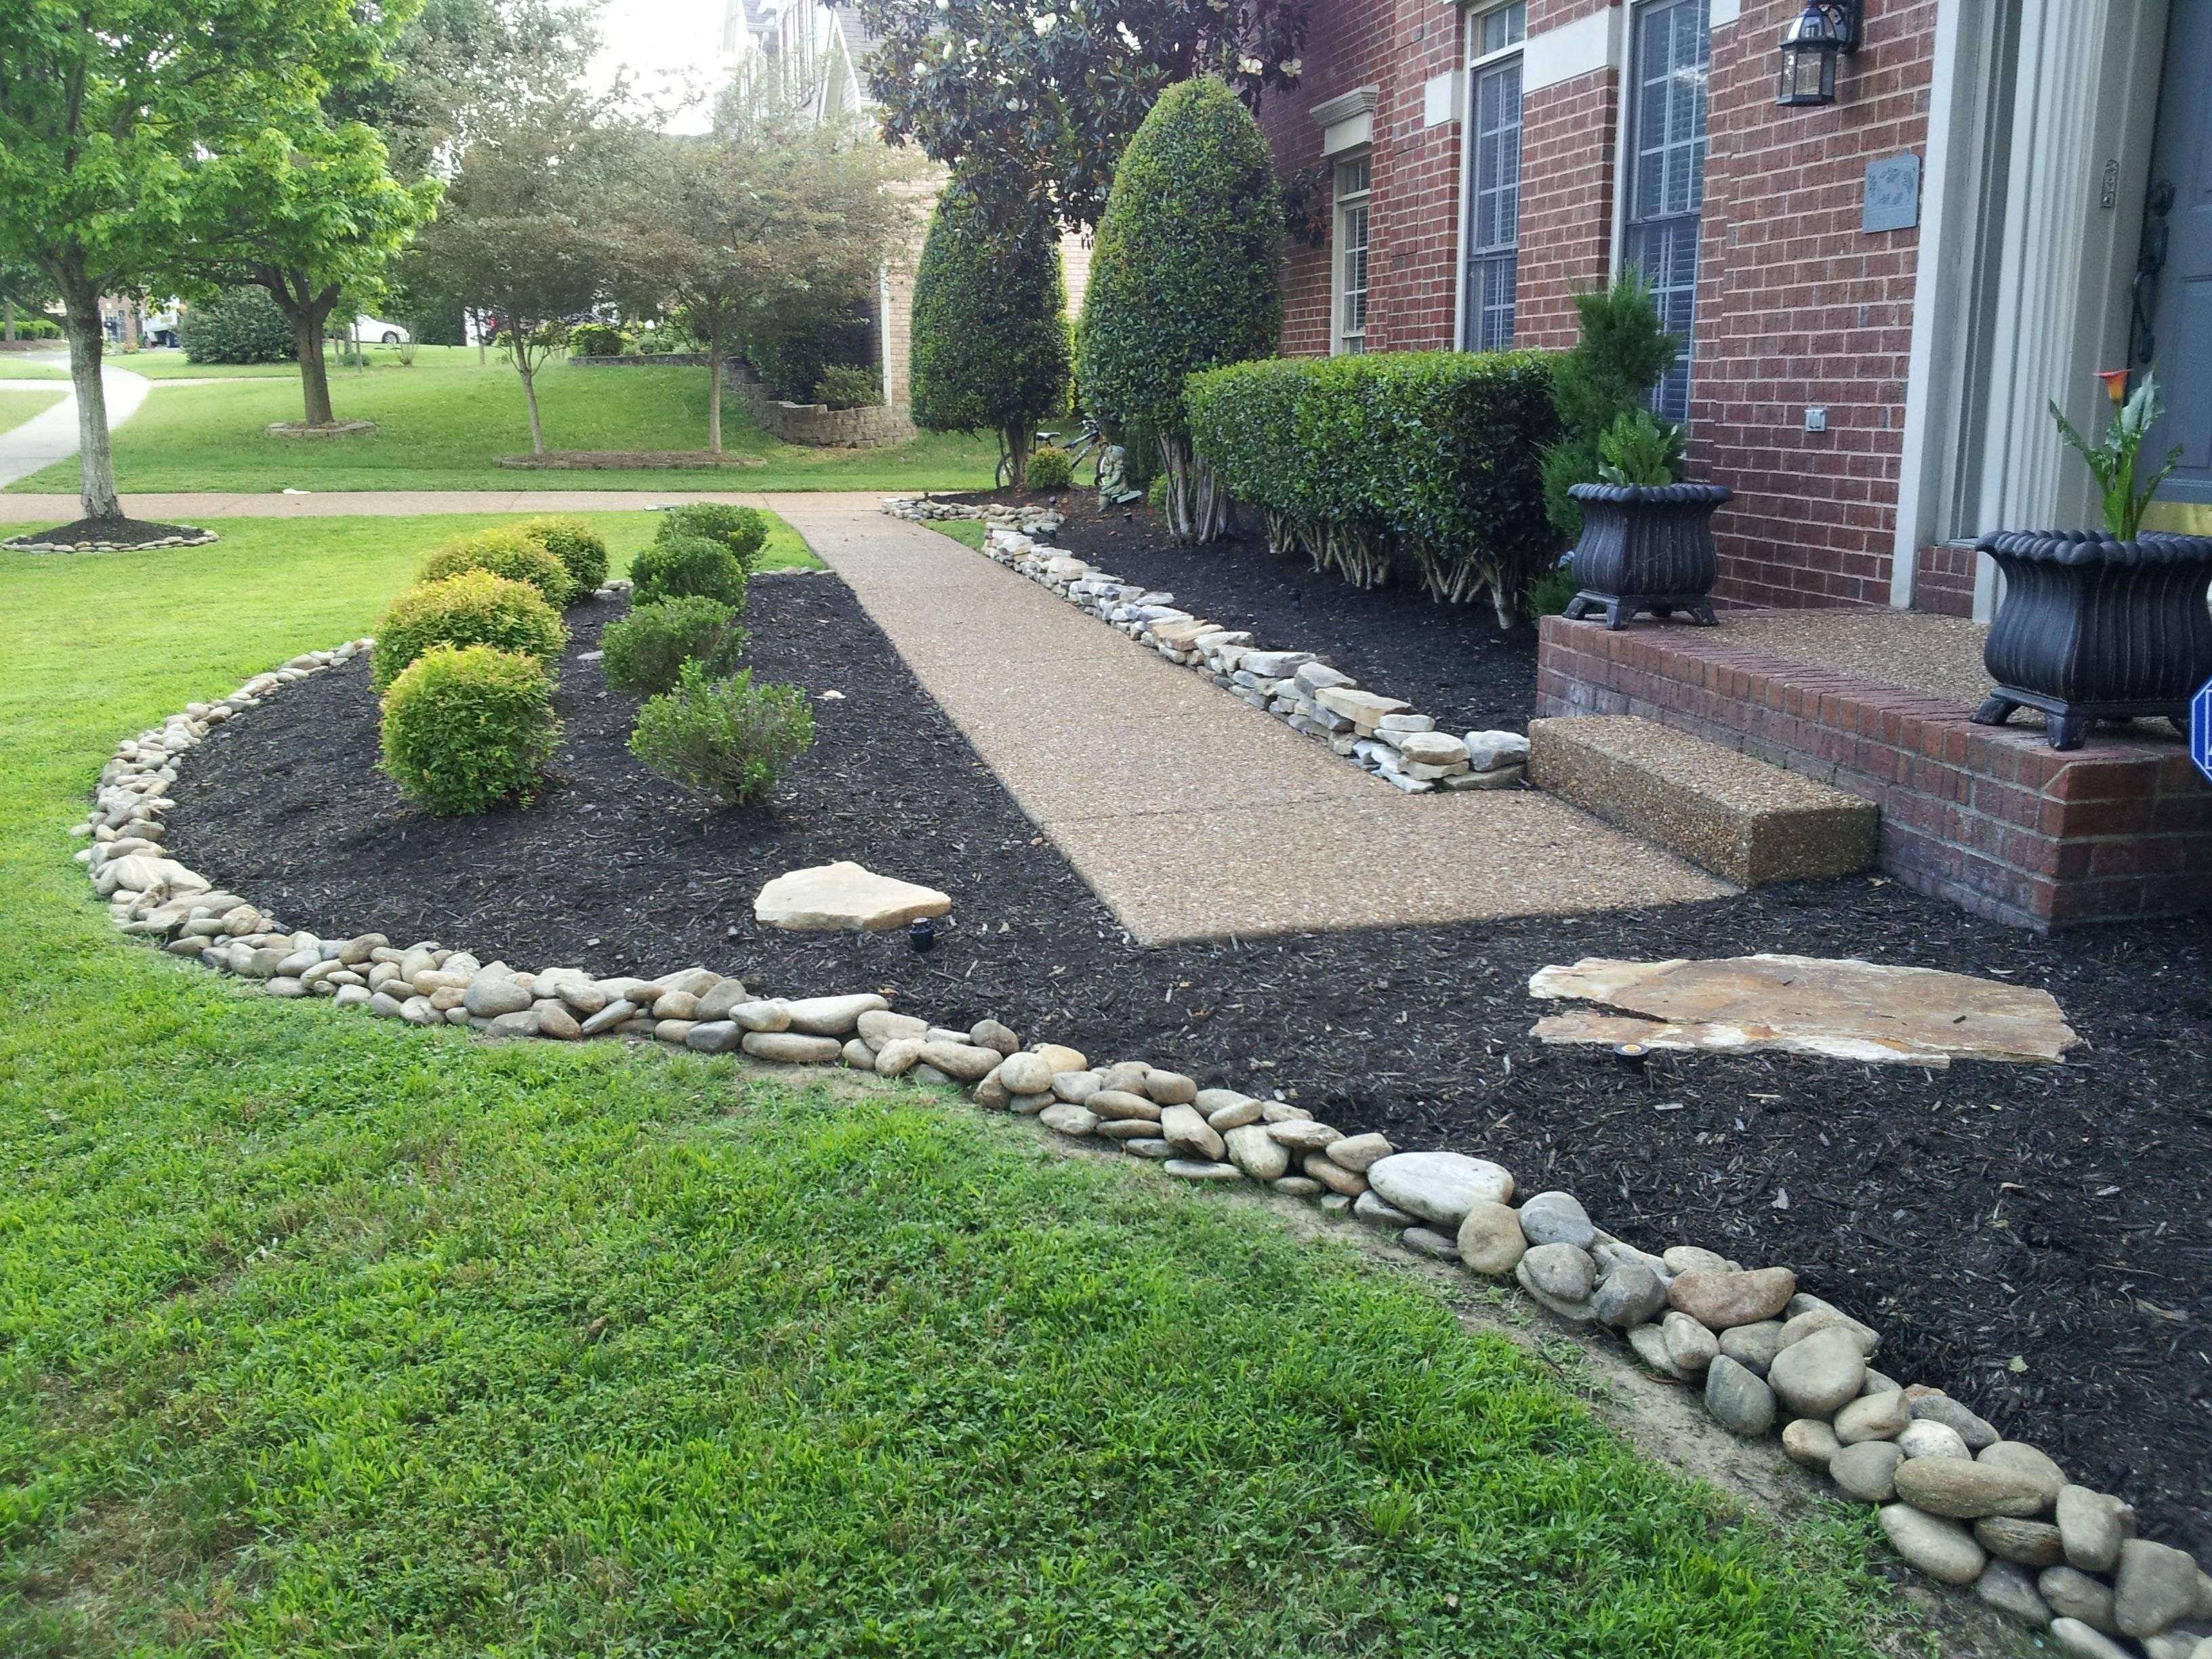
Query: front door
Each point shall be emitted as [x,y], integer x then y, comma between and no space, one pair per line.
[2173,320]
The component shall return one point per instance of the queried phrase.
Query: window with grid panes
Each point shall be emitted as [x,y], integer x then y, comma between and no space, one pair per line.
[1493,204]
[1351,188]
[1667,179]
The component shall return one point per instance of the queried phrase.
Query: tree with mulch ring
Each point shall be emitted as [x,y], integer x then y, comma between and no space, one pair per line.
[109,535]
[1977,1215]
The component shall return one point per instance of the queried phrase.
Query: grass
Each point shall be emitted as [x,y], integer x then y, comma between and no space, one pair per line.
[17,407]
[444,424]
[324,1337]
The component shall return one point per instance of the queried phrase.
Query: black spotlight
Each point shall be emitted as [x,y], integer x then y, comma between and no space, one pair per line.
[922,935]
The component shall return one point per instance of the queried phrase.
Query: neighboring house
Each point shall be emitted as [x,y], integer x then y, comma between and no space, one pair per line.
[818,54]
[1880,295]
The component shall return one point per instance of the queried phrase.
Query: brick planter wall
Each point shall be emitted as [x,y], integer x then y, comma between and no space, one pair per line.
[1992,819]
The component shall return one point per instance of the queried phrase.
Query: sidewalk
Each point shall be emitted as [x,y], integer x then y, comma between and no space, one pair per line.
[51,436]
[1191,814]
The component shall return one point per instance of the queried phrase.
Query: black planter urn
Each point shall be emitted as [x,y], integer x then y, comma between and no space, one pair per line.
[1645,547]
[2093,628]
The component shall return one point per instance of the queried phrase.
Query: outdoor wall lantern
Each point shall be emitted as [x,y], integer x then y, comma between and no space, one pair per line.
[1824,31]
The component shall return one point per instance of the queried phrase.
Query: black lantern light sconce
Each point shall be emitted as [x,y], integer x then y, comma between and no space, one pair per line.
[1823,33]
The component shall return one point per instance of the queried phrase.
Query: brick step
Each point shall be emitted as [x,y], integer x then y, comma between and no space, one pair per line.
[1744,820]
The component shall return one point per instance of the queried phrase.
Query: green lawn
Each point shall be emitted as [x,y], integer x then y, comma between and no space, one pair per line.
[444,423]
[17,407]
[327,1337]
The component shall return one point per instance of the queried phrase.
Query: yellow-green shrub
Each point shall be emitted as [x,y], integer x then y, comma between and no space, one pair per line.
[466,729]
[473,608]
[573,541]
[505,551]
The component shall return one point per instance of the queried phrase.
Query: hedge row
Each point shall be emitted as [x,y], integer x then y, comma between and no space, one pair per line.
[1426,459]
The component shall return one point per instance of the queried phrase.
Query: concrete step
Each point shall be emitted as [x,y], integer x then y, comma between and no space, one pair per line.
[1744,820]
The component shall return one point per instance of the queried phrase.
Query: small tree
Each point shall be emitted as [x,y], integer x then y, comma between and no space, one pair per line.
[106,106]
[773,220]
[524,234]
[309,217]
[990,327]
[1610,372]
[1183,278]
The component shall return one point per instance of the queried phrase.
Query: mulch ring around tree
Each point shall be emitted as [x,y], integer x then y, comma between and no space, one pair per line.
[628,460]
[109,535]
[2033,1238]
[1450,661]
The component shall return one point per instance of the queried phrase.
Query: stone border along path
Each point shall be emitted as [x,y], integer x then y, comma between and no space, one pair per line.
[1958,1501]
[1191,815]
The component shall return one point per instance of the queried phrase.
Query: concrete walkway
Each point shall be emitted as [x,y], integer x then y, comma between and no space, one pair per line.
[1191,814]
[50,434]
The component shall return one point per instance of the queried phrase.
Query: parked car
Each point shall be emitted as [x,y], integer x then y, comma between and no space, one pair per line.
[371,331]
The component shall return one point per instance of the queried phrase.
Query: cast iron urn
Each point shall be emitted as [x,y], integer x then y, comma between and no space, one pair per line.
[2093,628]
[1645,547]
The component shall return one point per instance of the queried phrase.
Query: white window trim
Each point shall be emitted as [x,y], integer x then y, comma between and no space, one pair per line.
[1337,291]
[1466,142]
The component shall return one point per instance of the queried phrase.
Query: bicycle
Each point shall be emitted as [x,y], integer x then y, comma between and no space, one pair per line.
[1091,445]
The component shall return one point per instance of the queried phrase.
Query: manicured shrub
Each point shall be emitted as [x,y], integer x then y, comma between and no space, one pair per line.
[238,325]
[473,608]
[646,651]
[849,386]
[37,328]
[990,344]
[573,541]
[743,530]
[597,340]
[1429,458]
[675,566]
[466,728]
[504,550]
[1182,278]
[729,737]
[1050,467]
[1609,371]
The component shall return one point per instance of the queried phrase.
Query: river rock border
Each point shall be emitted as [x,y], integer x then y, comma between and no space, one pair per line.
[1382,735]
[1957,1501]
[197,537]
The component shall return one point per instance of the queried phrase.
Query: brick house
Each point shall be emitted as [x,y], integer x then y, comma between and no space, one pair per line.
[1879,295]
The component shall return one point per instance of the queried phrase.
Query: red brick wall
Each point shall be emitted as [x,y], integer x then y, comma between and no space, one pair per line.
[1796,306]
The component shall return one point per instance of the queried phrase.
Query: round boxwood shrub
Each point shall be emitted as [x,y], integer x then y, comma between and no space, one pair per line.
[465,728]
[573,541]
[504,551]
[678,565]
[1182,278]
[1050,467]
[743,530]
[597,340]
[473,608]
[990,326]
[731,738]
[238,325]
[646,651]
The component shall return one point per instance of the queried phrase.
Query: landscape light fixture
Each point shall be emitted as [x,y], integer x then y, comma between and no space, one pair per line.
[1823,33]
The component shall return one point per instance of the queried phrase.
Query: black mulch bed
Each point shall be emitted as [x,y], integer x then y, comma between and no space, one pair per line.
[1450,661]
[2055,1214]
[120,533]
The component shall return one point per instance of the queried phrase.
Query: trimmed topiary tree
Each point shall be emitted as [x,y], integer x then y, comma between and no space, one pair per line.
[1624,351]
[473,608]
[991,347]
[1183,278]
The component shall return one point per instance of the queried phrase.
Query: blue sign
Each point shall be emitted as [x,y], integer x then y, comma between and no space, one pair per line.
[2200,728]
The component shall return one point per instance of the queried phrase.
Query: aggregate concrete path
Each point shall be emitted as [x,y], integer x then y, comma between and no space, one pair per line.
[50,435]
[1191,814]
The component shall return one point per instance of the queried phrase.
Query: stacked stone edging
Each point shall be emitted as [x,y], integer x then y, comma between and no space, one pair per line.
[195,537]
[1382,735]
[1957,1501]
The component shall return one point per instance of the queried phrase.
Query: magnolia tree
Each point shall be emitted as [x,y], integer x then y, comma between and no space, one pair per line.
[990,347]
[310,217]
[1067,85]
[773,221]
[107,108]
[524,234]
[1182,278]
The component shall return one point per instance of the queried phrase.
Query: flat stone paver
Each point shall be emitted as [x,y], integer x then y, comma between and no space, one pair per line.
[1191,814]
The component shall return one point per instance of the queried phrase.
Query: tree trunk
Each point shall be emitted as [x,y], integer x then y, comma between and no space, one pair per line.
[530,396]
[9,306]
[482,357]
[95,459]
[1019,436]
[314,367]
[714,391]
[1199,509]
